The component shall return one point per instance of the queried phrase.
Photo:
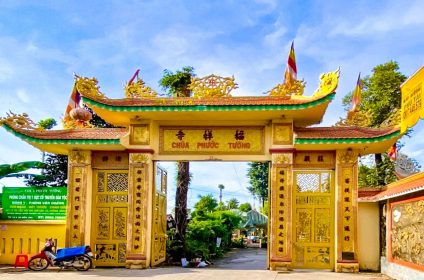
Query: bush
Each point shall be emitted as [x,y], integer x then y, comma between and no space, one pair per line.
[237,243]
[203,231]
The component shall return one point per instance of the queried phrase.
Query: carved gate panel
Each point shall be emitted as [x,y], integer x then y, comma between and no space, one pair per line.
[159,218]
[313,228]
[109,223]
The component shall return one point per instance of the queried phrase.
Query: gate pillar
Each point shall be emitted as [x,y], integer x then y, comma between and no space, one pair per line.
[347,211]
[139,210]
[280,241]
[79,198]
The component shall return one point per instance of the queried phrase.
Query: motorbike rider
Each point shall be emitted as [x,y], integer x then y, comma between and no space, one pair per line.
[48,248]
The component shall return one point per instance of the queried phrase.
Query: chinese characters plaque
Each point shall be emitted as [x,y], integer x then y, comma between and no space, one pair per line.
[211,140]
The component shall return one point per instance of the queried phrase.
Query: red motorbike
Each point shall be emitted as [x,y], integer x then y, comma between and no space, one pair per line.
[76,257]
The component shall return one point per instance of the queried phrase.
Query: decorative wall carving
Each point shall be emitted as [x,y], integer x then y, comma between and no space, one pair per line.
[282,134]
[313,220]
[139,135]
[79,157]
[109,222]
[348,156]
[407,231]
[140,158]
[282,158]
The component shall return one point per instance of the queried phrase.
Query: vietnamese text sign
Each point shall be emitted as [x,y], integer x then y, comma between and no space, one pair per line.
[32,203]
[211,140]
[412,100]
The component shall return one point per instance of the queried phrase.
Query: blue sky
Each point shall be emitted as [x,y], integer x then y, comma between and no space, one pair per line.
[42,43]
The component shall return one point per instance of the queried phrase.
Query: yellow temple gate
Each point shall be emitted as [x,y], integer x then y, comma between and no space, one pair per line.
[117,192]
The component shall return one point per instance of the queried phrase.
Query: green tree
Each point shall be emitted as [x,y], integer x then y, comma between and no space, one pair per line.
[380,101]
[233,203]
[54,174]
[48,123]
[206,204]
[265,209]
[177,85]
[245,207]
[258,179]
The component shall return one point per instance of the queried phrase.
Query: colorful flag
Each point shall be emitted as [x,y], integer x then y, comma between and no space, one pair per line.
[393,152]
[74,101]
[356,97]
[133,77]
[291,71]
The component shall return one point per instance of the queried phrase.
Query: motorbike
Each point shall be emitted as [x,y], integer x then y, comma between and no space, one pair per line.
[76,257]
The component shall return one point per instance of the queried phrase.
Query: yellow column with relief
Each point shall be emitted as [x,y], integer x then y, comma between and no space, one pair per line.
[79,199]
[139,210]
[280,241]
[347,211]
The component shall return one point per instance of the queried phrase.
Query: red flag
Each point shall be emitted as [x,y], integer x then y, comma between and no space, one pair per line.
[291,70]
[356,97]
[74,101]
[133,77]
[392,152]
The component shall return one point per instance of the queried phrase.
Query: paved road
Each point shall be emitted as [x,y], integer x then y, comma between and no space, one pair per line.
[238,264]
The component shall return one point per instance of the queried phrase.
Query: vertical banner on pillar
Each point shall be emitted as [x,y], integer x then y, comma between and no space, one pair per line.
[347,211]
[79,163]
[280,238]
[138,203]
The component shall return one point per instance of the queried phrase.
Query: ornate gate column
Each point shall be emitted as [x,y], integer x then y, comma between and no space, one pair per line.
[347,210]
[139,206]
[280,233]
[79,198]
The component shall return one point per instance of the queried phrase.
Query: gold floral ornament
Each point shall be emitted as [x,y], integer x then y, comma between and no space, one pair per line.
[212,86]
[88,87]
[21,121]
[288,89]
[328,83]
[139,89]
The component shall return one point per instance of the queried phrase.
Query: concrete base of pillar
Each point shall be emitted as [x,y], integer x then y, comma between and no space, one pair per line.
[349,267]
[136,261]
[280,266]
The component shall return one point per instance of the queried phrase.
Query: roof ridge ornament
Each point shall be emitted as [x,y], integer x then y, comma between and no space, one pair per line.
[328,83]
[288,89]
[19,121]
[139,89]
[212,86]
[88,87]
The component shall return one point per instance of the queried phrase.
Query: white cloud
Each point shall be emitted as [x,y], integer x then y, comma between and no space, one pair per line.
[23,96]
[395,16]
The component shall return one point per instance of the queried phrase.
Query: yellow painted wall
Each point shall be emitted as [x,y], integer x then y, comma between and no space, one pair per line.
[28,237]
[368,236]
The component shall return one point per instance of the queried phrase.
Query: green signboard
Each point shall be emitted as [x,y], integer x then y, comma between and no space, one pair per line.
[34,203]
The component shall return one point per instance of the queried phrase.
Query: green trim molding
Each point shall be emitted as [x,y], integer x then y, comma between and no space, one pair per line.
[347,140]
[205,108]
[61,141]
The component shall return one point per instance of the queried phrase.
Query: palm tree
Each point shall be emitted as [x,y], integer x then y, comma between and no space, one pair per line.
[177,85]
[7,169]
[233,203]
[220,187]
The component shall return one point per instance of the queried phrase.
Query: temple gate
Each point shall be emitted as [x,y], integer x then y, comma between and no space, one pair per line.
[117,193]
